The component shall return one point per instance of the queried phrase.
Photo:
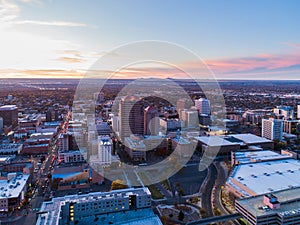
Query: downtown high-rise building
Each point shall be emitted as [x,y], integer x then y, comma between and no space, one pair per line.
[183,104]
[131,112]
[9,113]
[272,129]
[151,121]
[203,106]
[190,118]
[104,149]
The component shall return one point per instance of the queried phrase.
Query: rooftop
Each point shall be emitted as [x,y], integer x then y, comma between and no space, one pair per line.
[53,123]
[181,140]
[215,141]
[8,107]
[50,134]
[4,158]
[289,203]
[250,138]
[264,177]
[51,211]
[135,143]
[104,140]
[13,188]
[257,156]
[10,146]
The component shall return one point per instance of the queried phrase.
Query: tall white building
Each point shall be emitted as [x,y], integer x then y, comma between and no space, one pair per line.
[272,129]
[104,149]
[115,120]
[298,111]
[190,118]
[203,106]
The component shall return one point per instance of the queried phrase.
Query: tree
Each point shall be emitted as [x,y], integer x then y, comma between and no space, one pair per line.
[195,200]
[181,192]
[180,215]
[203,212]
[118,184]
[216,211]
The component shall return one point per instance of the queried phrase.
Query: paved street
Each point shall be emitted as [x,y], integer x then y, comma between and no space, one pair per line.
[206,195]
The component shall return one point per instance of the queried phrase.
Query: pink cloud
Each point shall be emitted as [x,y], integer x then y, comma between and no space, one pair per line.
[260,63]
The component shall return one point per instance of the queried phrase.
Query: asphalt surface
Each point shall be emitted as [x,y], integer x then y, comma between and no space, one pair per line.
[216,219]
[206,195]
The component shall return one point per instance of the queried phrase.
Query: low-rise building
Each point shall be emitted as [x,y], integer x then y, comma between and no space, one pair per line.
[183,146]
[30,121]
[36,147]
[46,135]
[12,191]
[257,178]
[74,177]
[280,207]
[21,133]
[291,126]
[25,167]
[135,148]
[216,145]
[246,140]
[131,206]
[10,149]
[243,157]
[71,157]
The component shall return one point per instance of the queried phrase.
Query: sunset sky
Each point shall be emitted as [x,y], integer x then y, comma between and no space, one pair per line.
[254,39]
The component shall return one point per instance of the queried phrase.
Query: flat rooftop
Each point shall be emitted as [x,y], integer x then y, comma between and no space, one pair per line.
[257,156]
[133,217]
[250,138]
[8,107]
[289,200]
[13,188]
[10,147]
[265,177]
[135,143]
[54,123]
[182,141]
[215,141]
[42,134]
[104,140]
[4,158]
[96,196]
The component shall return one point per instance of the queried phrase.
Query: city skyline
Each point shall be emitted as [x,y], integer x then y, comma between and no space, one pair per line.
[57,39]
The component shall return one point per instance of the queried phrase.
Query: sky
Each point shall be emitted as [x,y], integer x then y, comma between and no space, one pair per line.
[250,39]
